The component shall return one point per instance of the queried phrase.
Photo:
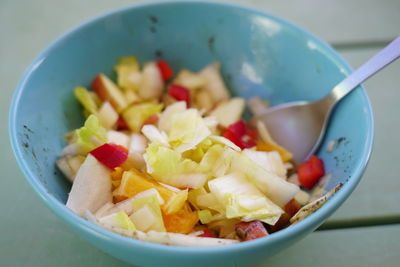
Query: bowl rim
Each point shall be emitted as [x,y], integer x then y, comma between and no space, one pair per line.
[310,223]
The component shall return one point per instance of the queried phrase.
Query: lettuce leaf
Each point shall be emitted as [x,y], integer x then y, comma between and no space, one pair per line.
[118,219]
[198,153]
[155,135]
[164,122]
[217,160]
[176,202]
[169,167]
[149,206]
[275,188]
[205,216]
[243,200]
[187,130]
[269,161]
[91,135]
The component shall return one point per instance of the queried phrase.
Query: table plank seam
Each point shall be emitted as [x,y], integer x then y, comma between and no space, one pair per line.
[360,222]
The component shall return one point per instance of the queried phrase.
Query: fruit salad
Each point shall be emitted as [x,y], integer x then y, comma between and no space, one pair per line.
[166,157]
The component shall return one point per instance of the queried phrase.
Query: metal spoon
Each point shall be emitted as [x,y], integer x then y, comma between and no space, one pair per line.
[300,126]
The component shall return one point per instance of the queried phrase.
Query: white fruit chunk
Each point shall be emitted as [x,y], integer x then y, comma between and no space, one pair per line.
[91,188]
[214,83]
[151,85]
[64,167]
[107,115]
[118,138]
[229,112]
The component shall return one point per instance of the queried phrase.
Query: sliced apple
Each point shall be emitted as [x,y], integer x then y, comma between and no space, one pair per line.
[118,138]
[203,100]
[107,90]
[214,82]
[69,165]
[190,80]
[152,85]
[107,115]
[91,188]
[229,112]
[64,167]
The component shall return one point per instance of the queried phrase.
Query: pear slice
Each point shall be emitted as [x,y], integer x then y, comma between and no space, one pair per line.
[91,188]
[152,85]
[214,83]
[229,112]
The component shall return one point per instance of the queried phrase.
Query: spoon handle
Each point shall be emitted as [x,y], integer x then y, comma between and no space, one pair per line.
[369,68]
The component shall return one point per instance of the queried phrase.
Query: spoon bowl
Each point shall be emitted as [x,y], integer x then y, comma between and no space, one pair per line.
[300,126]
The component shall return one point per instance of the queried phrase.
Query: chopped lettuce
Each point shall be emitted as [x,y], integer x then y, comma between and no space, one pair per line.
[242,199]
[149,206]
[269,161]
[252,207]
[210,201]
[155,135]
[118,219]
[168,166]
[198,153]
[224,141]
[148,192]
[187,130]
[176,202]
[205,216]
[91,135]
[217,160]
[144,218]
[274,187]
[193,194]
[164,122]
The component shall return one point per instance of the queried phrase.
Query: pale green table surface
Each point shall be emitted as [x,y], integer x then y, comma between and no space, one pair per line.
[365,231]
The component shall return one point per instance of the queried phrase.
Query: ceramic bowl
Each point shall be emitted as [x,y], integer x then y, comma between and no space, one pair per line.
[261,55]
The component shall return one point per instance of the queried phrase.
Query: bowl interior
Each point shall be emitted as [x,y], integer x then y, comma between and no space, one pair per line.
[261,56]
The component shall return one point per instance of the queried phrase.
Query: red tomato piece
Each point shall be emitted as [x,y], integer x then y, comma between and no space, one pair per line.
[238,128]
[247,141]
[239,134]
[252,134]
[165,70]
[250,230]
[206,233]
[310,172]
[180,93]
[110,155]
[233,138]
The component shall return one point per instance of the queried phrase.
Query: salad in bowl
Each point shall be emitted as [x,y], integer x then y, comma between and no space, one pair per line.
[167,158]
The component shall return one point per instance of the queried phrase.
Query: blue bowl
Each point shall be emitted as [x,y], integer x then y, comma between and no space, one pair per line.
[260,54]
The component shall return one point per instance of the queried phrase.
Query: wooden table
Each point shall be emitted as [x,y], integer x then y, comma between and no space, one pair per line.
[365,231]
